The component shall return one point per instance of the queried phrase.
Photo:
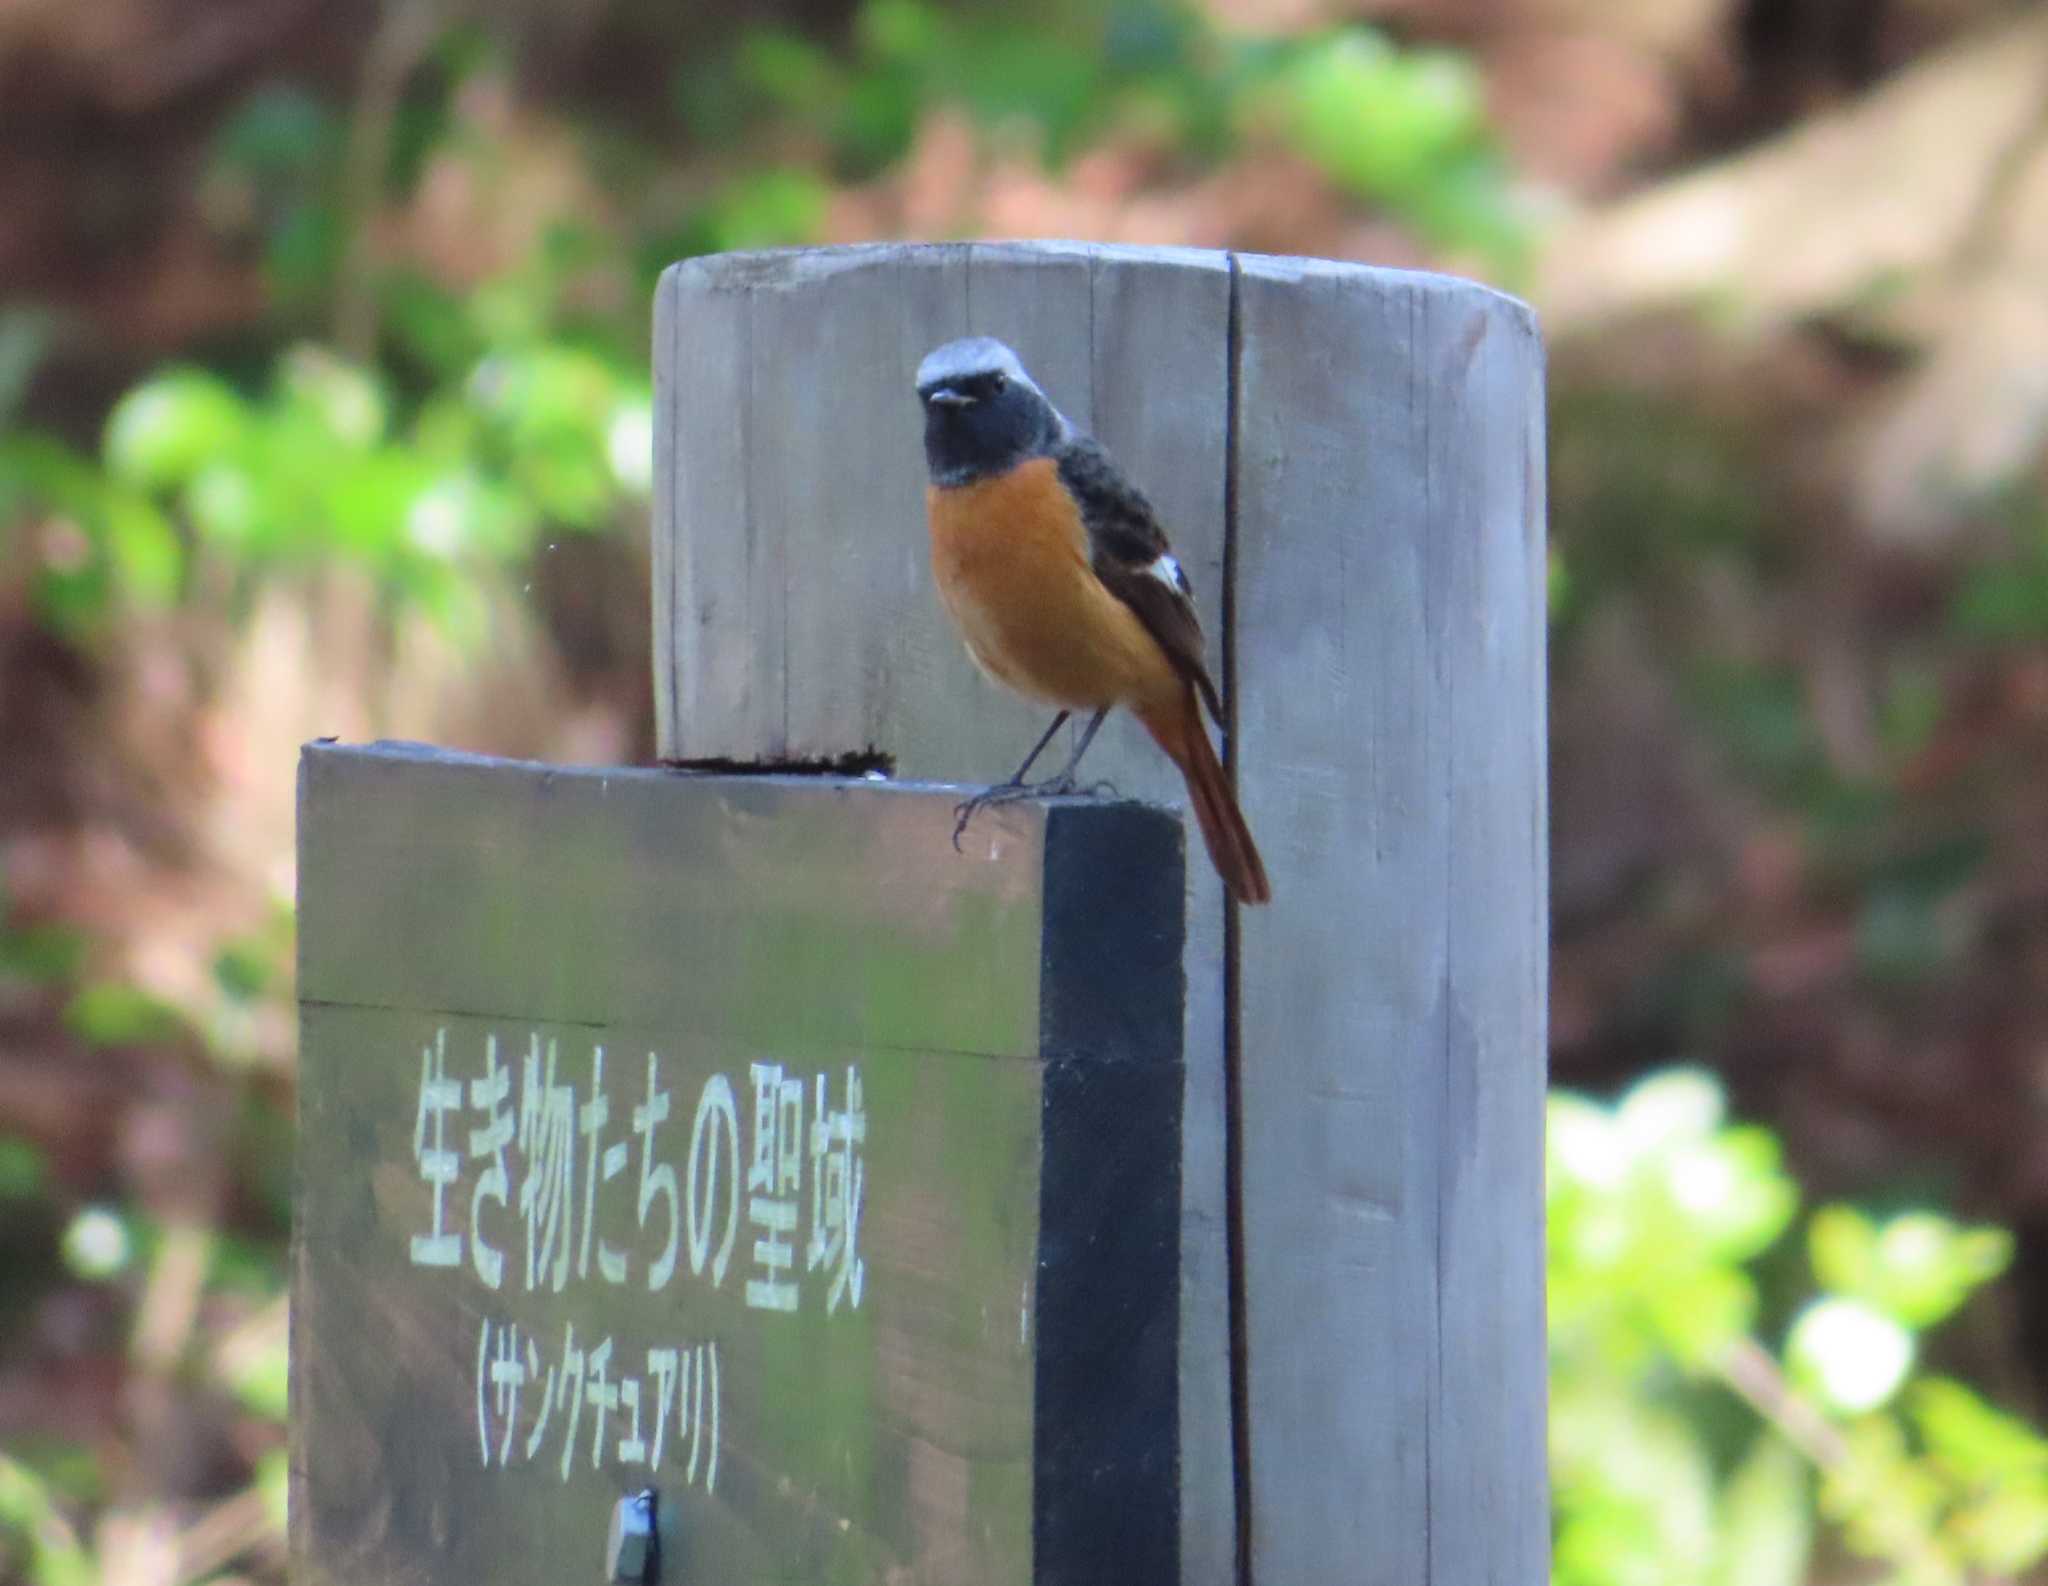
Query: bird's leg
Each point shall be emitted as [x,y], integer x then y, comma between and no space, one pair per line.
[1064,782]
[1017,788]
[1038,749]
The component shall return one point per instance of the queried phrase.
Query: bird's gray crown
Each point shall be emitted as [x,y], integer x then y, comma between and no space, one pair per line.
[968,357]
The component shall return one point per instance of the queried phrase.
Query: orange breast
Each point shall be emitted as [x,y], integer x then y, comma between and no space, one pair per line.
[1010,558]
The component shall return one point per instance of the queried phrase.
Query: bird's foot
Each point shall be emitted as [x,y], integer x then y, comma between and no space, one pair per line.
[1011,792]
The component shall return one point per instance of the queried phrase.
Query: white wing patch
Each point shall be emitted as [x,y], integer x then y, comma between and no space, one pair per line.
[1168,572]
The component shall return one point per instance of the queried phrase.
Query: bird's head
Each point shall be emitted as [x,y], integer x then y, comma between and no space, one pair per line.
[983,414]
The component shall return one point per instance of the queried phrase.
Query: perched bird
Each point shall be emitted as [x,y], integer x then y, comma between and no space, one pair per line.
[1054,568]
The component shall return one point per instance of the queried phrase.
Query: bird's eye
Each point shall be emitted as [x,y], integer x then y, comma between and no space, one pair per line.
[998,383]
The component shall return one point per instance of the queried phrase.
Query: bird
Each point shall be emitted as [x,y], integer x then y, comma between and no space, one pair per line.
[1061,581]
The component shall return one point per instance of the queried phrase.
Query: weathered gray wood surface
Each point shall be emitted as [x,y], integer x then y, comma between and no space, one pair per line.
[838,641]
[1390,639]
[993,1398]
[1388,660]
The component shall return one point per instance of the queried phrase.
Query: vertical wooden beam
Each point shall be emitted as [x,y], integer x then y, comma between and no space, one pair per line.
[1389,658]
[1390,714]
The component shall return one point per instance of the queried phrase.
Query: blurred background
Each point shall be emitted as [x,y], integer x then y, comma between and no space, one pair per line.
[324,408]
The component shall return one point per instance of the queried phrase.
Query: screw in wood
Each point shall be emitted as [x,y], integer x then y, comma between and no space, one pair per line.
[631,1551]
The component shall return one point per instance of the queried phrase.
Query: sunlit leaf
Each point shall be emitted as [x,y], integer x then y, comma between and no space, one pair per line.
[273,1480]
[348,400]
[1842,1244]
[1382,122]
[1918,1267]
[164,430]
[2005,1530]
[224,505]
[1682,1104]
[27,1507]
[1973,1439]
[1853,1356]
[1766,1529]
[770,209]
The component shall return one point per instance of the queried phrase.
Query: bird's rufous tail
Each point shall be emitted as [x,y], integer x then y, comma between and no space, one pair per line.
[1184,737]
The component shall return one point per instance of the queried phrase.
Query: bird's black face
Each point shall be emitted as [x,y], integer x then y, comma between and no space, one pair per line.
[982,414]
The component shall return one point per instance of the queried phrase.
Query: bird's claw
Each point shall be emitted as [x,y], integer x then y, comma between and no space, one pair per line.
[1010,792]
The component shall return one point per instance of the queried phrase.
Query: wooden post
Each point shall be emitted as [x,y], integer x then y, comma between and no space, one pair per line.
[709,1135]
[1351,463]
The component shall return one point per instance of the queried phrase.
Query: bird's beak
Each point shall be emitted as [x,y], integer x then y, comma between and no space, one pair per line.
[946,397]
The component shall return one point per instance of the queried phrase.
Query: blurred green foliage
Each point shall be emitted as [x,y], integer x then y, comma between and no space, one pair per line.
[1401,129]
[495,415]
[201,487]
[1686,1445]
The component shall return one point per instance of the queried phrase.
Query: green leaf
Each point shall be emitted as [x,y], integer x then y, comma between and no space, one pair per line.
[41,471]
[262,1382]
[109,1013]
[769,209]
[899,30]
[28,1508]
[789,70]
[1853,1356]
[1700,1310]
[1680,1104]
[242,969]
[22,1168]
[166,429]
[367,507]
[2003,603]
[1634,1491]
[2007,1531]
[73,598]
[1973,1440]
[1842,1244]
[1386,124]
[148,558]
[348,401]
[304,252]
[1730,1191]
[43,954]
[279,130]
[1918,1267]
[1766,1530]
[225,505]
[273,1480]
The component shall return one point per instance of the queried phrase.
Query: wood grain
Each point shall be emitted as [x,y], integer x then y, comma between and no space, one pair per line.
[1390,708]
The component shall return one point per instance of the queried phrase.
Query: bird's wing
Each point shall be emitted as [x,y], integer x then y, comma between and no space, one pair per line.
[1131,555]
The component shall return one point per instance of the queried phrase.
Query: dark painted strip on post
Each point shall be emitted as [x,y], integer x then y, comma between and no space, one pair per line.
[1233,1051]
[1106,1422]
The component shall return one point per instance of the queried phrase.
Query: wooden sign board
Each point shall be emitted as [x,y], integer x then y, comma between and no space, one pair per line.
[737,1138]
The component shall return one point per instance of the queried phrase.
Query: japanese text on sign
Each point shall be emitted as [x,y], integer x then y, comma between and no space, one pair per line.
[528,1168]
[546,1166]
